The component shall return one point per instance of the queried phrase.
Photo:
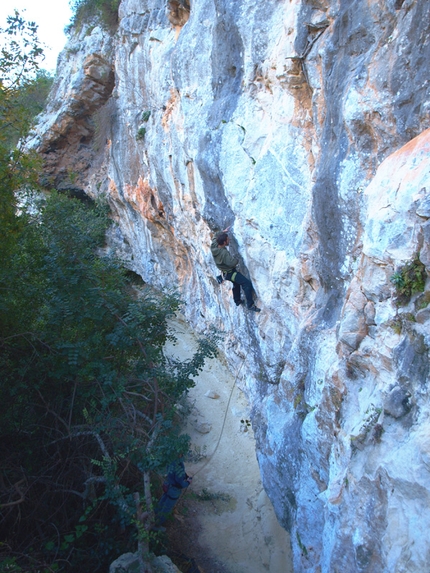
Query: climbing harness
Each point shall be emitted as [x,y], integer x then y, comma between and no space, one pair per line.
[224,277]
[233,276]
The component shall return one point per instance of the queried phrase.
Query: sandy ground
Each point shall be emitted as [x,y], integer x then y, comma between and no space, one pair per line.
[225,520]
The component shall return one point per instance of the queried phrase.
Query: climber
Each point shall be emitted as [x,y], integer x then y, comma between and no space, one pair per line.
[227,265]
[176,480]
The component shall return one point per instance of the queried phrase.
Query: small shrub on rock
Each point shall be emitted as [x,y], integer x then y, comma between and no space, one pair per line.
[408,280]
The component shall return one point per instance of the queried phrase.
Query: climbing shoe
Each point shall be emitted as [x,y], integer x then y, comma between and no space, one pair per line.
[239,303]
[254,308]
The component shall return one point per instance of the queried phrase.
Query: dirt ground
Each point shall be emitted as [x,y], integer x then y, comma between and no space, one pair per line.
[224,522]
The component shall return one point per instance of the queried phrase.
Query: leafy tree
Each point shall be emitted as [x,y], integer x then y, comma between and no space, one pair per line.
[21,51]
[87,401]
[20,55]
[30,98]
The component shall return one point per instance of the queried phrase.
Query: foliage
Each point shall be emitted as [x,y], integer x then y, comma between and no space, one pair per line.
[303,548]
[402,322]
[29,99]
[396,324]
[21,51]
[197,453]
[409,279]
[85,10]
[206,495]
[141,132]
[87,402]
[23,88]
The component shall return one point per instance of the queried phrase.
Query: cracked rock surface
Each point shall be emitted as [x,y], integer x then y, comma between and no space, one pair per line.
[305,124]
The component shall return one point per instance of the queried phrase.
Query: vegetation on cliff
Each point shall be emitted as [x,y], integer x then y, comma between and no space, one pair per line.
[106,11]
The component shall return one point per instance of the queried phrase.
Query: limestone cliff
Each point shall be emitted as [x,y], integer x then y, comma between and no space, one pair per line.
[305,125]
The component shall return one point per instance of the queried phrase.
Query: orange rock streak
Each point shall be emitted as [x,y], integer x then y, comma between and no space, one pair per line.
[144,199]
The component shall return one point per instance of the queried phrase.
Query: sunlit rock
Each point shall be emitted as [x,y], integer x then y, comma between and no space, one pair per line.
[305,126]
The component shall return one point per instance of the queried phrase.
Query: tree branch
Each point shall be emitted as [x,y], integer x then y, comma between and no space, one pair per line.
[18,501]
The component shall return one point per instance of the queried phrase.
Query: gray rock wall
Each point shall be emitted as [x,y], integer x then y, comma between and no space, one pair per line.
[305,125]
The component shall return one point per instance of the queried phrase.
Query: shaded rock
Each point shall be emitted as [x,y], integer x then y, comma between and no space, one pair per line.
[129,563]
[412,359]
[202,427]
[356,315]
[163,564]
[423,315]
[397,402]
[424,206]
[425,251]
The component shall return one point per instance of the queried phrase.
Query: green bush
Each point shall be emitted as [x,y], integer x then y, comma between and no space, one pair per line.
[141,132]
[146,115]
[409,279]
[86,10]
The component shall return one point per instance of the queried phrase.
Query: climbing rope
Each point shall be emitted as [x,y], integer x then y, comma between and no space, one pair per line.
[224,420]
[185,490]
[223,423]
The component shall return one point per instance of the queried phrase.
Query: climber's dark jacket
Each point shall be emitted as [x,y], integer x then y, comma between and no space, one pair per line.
[223,259]
[176,480]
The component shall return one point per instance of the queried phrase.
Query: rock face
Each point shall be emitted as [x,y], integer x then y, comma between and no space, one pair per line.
[129,563]
[305,125]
